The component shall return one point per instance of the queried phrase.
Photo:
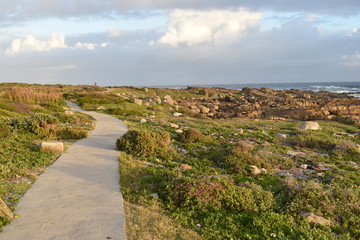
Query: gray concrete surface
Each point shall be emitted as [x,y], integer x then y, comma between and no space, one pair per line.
[78,197]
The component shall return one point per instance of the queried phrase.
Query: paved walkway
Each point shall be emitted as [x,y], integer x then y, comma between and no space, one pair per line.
[78,197]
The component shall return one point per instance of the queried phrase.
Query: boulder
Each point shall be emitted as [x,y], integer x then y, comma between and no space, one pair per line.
[54,147]
[312,218]
[310,125]
[5,211]
[185,167]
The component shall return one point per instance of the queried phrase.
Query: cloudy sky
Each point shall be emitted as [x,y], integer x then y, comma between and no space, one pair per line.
[168,42]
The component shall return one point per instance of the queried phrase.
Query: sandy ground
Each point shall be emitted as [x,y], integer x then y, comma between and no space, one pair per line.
[78,197]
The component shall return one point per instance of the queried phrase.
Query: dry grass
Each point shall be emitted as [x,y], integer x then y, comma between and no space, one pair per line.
[151,224]
[35,95]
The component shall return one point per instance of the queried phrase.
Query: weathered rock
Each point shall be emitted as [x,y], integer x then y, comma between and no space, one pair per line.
[55,147]
[312,218]
[310,125]
[5,211]
[101,108]
[255,170]
[138,101]
[143,120]
[185,167]
[173,125]
[177,114]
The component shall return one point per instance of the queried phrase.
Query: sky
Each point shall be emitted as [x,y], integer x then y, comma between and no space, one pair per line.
[188,42]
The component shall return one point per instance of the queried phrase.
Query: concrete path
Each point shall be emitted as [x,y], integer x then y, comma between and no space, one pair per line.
[78,197]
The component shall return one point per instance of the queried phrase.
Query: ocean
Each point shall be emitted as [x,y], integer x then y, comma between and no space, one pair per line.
[353,88]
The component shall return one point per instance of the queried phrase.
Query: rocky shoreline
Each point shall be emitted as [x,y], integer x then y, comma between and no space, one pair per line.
[273,104]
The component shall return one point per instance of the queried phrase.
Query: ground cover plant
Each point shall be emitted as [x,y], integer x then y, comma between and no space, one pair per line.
[30,114]
[231,178]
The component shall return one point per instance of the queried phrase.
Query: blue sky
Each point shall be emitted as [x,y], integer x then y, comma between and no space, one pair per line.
[142,42]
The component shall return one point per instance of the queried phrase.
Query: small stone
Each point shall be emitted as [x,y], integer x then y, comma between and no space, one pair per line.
[179,131]
[263,170]
[101,108]
[304,166]
[177,114]
[281,135]
[173,125]
[198,225]
[310,125]
[185,167]
[255,170]
[155,195]
[143,120]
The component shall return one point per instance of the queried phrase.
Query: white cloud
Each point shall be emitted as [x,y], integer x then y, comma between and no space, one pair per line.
[191,27]
[32,44]
[57,41]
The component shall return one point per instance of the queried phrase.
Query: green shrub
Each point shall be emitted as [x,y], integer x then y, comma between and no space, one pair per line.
[239,158]
[38,120]
[191,135]
[317,140]
[142,143]
[213,194]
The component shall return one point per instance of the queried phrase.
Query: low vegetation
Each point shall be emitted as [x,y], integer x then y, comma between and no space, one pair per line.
[188,175]
[232,178]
